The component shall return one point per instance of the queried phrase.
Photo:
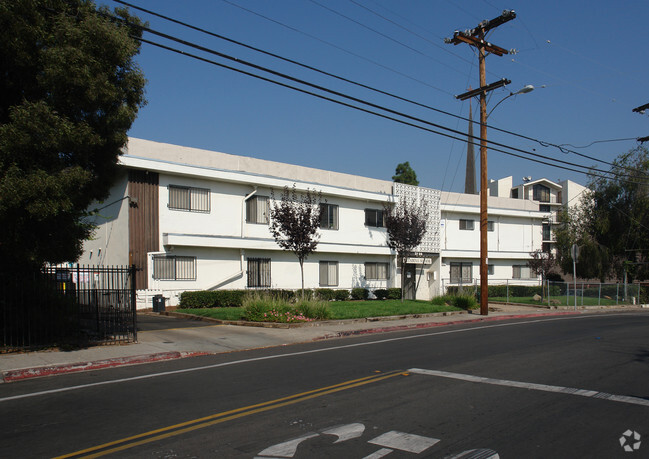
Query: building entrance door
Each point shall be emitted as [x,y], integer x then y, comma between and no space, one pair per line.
[409,283]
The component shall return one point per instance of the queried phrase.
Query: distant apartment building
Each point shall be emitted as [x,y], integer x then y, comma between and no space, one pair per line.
[193,219]
[550,196]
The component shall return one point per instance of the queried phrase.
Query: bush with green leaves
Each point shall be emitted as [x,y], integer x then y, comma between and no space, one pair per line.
[394,293]
[359,293]
[212,299]
[341,295]
[325,294]
[260,307]
[380,293]
[465,301]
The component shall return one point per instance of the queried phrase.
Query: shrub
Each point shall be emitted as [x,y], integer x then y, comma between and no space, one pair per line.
[394,293]
[341,295]
[266,307]
[317,310]
[212,299]
[442,300]
[465,301]
[325,294]
[360,293]
[380,293]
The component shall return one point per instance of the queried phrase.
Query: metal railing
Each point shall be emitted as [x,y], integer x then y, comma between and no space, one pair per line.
[69,304]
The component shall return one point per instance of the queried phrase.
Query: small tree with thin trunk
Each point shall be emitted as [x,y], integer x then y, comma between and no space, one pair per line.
[541,264]
[406,225]
[294,223]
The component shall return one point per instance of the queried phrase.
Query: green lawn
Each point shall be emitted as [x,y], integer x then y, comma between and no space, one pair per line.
[341,309]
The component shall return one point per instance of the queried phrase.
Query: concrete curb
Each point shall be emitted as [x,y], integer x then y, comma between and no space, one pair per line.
[368,331]
[51,370]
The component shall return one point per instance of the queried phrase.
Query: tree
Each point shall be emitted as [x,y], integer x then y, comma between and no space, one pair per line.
[405,174]
[294,223]
[611,225]
[541,264]
[69,92]
[406,226]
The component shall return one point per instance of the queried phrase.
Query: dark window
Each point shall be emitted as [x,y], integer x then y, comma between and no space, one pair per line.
[466,225]
[490,270]
[490,226]
[259,272]
[174,268]
[329,216]
[546,247]
[257,209]
[515,193]
[186,198]
[547,232]
[328,273]
[377,271]
[461,273]
[544,208]
[541,193]
[374,217]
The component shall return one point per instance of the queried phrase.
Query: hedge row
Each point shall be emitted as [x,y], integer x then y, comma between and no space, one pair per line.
[234,298]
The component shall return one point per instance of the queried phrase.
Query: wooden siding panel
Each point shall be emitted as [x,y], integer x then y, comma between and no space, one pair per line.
[143,221]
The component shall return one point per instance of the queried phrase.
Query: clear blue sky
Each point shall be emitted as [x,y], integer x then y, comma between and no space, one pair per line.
[589,62]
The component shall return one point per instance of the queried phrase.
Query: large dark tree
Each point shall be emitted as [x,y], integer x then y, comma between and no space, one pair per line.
[404,173]
[69,92]
[405,222]
[294,223]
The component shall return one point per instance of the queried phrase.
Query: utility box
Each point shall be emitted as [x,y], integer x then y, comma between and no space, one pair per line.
[158,303]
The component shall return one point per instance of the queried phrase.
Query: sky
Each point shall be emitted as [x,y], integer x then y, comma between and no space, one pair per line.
[588,62]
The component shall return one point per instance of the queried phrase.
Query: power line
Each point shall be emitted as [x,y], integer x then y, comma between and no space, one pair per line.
[381,115]
[351,53]
[540,142]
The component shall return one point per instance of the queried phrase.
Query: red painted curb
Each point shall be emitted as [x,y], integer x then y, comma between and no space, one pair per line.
[368,331]
[50,370]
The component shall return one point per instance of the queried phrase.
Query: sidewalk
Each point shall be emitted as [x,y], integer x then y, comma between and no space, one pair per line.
[170,342]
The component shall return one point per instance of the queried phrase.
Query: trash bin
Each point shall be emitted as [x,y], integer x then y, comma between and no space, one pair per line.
[158,303]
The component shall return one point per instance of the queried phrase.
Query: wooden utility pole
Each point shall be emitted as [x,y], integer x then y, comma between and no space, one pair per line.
[476,37]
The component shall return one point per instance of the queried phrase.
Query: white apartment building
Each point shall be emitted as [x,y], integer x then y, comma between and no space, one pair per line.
[550,196]
[192,219]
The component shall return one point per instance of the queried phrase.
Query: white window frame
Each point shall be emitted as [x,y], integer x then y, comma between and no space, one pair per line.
[466,225]
[377,270]
[189,199]
[257,209]
[328,273]
[374,218]
[328,216]
[519,271]
[175,268]
[466,272]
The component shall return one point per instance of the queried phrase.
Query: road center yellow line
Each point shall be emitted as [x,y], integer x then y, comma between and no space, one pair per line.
[188,426]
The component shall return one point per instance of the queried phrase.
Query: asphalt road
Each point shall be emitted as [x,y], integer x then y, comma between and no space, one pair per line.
[549,387]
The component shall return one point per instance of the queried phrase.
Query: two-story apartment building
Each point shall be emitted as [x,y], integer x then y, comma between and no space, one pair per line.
[550,196]
[193,219]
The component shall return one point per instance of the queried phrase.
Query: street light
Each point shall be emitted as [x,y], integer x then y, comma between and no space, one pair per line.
[524,90]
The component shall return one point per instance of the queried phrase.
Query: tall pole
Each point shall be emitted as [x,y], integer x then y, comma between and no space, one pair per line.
[484,269]
[476,37]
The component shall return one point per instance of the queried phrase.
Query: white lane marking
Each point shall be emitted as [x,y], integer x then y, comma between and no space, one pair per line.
[292,354]
[533,386]
[410,443]
[477,454]
[287,448]
[379,454]
[346,432]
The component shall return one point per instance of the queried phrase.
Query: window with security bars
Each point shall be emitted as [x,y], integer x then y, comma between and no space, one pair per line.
[257,209]
[374,217]
[329,216]
[522,272]
[377,271]
[461,273]
[258,272]
[167,267]
[187,198]
[328,273]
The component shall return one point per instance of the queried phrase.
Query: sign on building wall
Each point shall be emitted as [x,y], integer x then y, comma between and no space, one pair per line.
[431,241]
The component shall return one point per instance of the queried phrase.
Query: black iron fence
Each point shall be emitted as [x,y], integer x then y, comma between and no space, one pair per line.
[68,305]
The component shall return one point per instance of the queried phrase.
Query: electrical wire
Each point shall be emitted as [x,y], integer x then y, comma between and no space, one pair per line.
[368,111]
[540,142]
